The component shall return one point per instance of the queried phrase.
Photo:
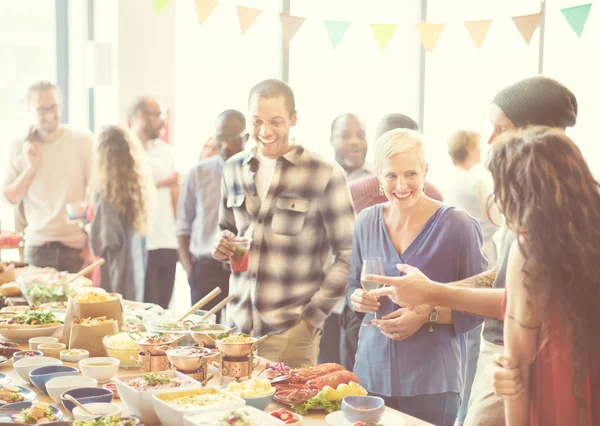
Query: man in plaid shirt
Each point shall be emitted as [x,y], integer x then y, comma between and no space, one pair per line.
[296,208]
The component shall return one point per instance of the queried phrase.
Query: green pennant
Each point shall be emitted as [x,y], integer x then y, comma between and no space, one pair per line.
[160,5]
[336,31]
[383,34]
[577,17]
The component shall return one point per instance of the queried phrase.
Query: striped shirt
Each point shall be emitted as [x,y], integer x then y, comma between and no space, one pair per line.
[306,215]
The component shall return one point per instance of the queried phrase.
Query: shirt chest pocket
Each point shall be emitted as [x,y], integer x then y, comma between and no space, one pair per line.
[236,202]
[289,215]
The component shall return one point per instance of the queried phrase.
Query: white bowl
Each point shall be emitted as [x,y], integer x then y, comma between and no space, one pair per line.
[73,358]
[34,342]
[97,409]
[139,403]
[55,387]
[102,373]
[26,365]
[23,334]
[257,417]
[173,415]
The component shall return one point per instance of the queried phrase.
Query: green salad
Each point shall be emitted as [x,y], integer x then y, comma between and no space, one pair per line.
[106,421]
[318,402]
[34,318]
[44,293]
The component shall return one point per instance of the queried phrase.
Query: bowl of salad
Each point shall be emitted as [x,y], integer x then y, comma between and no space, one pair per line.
[33,323]
[49,288]
[108,421]
[169,324]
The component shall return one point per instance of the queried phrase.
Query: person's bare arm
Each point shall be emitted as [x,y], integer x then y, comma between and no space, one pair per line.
[481,302]
[483,280]
[523,320]
[185,257]
[16,190]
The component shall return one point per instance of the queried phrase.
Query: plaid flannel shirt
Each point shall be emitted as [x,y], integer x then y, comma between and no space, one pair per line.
[306,215]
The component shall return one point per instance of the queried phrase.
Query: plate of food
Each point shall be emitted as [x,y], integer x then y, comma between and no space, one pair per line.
[10,394]
[33,323]
[32,413]
[246,416]
[108,421]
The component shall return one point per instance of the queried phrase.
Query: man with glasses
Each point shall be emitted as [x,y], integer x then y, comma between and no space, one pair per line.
[146,122]
[48,169]
[198,210]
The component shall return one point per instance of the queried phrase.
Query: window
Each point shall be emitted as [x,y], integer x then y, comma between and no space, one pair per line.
[571,61]
[216,67]
[28,54]
[356,77]
[461,80]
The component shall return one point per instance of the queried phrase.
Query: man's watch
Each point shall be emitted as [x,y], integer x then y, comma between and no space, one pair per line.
[433,317]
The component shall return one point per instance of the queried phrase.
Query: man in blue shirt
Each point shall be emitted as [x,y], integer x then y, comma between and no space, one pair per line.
[198,210]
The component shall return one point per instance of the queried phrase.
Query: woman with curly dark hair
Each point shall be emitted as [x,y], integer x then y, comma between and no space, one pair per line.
[122,207]
[552,334]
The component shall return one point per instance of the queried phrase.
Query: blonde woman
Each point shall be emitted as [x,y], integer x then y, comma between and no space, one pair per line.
[417,365]
[123,202]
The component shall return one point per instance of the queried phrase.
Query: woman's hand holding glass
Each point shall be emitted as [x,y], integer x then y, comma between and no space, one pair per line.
[363,302]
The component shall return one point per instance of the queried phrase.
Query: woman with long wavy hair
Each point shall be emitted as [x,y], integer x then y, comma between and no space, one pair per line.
[122,209]
[552,333]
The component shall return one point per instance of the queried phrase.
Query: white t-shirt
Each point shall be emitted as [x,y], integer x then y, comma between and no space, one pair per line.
[161,233]
[62,178]
[264,174]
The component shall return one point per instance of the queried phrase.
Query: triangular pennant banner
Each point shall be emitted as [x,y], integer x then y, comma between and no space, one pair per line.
[383,34]
[336,31]
[290,26]
[527,24]
[246,17]
[204,8]
[478,30]
[160,5]
[577,17]
[430,34]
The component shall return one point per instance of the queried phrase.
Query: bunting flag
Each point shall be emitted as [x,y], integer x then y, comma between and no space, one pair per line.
[577,17]
[336,31]
[290,26]
[478,30]
[159,5]
[204,8]
[430,34]
[246,17]
[383,34]
[527,25]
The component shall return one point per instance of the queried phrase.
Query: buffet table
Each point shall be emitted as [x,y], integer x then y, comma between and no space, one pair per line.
[315,418]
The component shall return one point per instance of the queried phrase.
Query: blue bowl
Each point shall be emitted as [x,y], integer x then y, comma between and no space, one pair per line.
[261,402]
[86,396]
[9,410]
[40,376]
[17,355]
[363,408]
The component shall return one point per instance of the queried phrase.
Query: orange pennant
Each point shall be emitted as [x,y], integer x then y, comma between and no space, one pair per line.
[290,26]
[246,17]
[430,34]
[204,8]
[478,30]
[527,24]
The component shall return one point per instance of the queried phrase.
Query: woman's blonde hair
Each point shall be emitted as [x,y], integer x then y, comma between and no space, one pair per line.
[399,141]
[460,143]
[123,178]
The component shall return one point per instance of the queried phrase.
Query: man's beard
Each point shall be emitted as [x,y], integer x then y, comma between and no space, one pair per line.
[151,133]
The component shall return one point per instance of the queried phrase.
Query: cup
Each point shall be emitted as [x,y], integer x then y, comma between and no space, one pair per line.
[52,349]
[34,342]
[239,259]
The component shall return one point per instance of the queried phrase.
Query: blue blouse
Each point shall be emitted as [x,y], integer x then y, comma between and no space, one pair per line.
[447,249]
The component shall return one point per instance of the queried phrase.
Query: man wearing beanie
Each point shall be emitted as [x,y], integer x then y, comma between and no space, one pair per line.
[533,101]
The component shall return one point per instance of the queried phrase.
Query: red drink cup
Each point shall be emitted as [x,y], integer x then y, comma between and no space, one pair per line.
[239,259]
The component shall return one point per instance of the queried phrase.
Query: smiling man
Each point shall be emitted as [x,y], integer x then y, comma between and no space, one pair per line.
[295,206]
[349,140]
[48,169]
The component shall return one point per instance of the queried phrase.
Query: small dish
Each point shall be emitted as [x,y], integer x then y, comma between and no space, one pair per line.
[68,355]
[59,385]
[363,408]
[52,349]
[98,409]
[100,368]
[34,342]
[18,356]
[86,396]
[113,388]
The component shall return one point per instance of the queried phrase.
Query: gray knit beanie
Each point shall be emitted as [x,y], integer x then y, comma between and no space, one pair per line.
[538,101]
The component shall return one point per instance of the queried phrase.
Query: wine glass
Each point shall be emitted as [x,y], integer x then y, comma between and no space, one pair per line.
[371,266]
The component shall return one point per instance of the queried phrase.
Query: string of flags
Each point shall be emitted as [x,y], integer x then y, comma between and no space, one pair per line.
[429,33]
